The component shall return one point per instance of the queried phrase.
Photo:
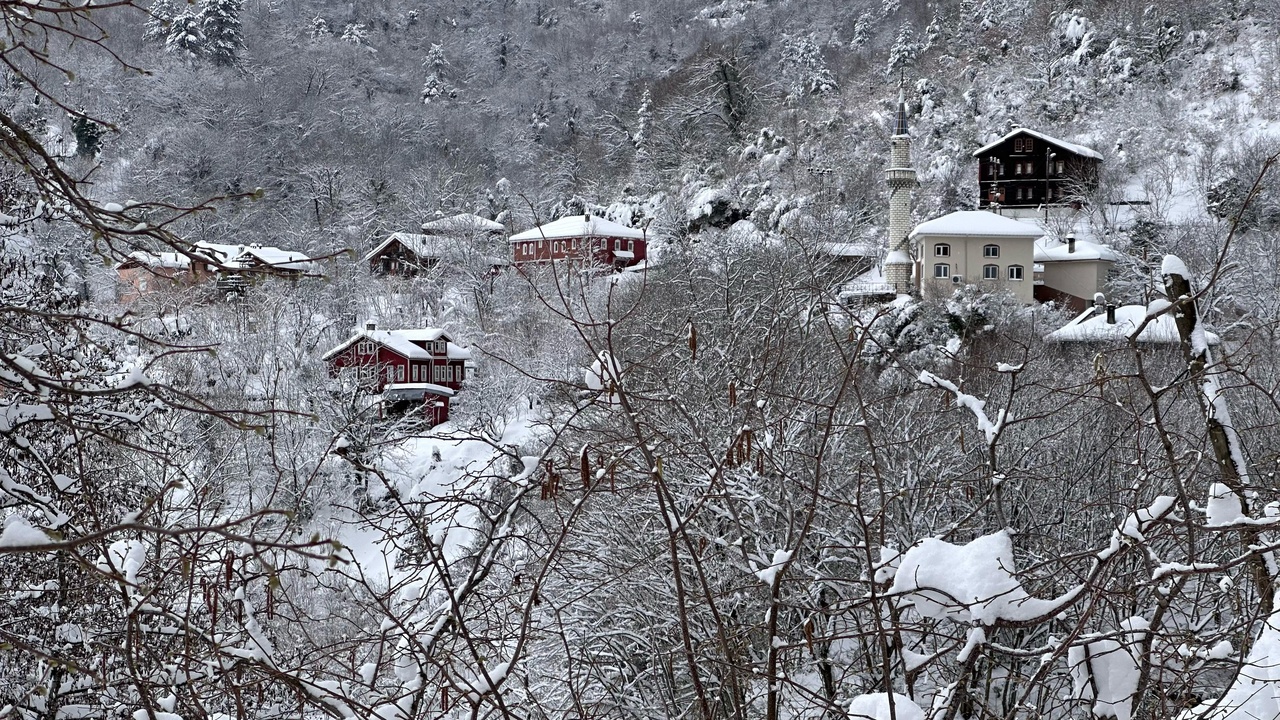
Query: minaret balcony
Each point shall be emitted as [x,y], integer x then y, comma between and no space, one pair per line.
[900,176]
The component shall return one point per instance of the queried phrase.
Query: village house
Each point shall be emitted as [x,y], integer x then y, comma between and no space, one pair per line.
[1026,169]
[1070,271]
[144,273]
[407,254]
[408,368]
[581,238]
[975,247]
[232,267]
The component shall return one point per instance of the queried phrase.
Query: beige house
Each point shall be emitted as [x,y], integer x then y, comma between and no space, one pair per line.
[975,247]
[1072,271]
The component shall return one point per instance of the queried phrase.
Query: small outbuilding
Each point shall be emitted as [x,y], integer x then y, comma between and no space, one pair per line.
[1102,323]
[1071,270]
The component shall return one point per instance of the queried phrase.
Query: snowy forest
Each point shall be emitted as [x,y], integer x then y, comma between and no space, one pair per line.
[717,489]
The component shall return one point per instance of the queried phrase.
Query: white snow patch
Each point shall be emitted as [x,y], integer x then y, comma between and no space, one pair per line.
[1223,507]
[883,706]
[972,582]
[1110,667]
[769,574]
[19,533]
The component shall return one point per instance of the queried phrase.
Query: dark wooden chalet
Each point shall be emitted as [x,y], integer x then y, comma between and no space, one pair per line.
[581,238]
[409,368]
[408,254]
[1030,169]
[405,254]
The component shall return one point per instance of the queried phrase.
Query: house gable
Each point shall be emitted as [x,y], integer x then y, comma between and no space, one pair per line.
[1026,168]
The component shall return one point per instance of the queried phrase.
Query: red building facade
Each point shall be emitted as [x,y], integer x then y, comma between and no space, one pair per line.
[581,238]
[407,367]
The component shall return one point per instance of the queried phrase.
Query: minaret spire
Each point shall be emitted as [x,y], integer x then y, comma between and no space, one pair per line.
[901,178]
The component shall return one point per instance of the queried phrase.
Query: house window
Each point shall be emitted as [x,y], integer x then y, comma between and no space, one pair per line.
[437,373]
[1001,166]
[942,270]
[399,373]
[942,250]
[365,347]
[1062,166]
[990,272]
[631,246]
[990,251]
[1017,168]
[1015,272]
[442,347]
[1017,145]
[1019,193]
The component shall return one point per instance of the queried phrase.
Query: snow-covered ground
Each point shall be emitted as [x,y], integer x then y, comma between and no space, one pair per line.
[435,472]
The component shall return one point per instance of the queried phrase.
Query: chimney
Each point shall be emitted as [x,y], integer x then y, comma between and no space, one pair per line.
[1071,243]
[1099,303]
[371,326]
[1111,314]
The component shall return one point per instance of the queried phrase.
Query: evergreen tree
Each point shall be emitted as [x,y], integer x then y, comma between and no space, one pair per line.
[185,36]
[88,136]
[805,68]
[161,16]
[904,51]
[436,86]
[220,25]
[319,28]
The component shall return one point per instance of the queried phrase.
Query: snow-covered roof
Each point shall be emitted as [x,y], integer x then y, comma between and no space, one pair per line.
[869,283]
[157,260]
[461,224]
[977,223]
[416,389]
[237,256]
[1065,145]
[578,226]
[850,249]
[1092,326]
[420,245]
[276,258]
[1047,250]
[404,343]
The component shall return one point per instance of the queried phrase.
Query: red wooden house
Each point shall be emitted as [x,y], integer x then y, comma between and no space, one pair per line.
[582,238]
[407,367]
[1026,168]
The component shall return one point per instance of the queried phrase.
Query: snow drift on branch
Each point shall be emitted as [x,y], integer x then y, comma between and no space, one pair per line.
[969,582]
